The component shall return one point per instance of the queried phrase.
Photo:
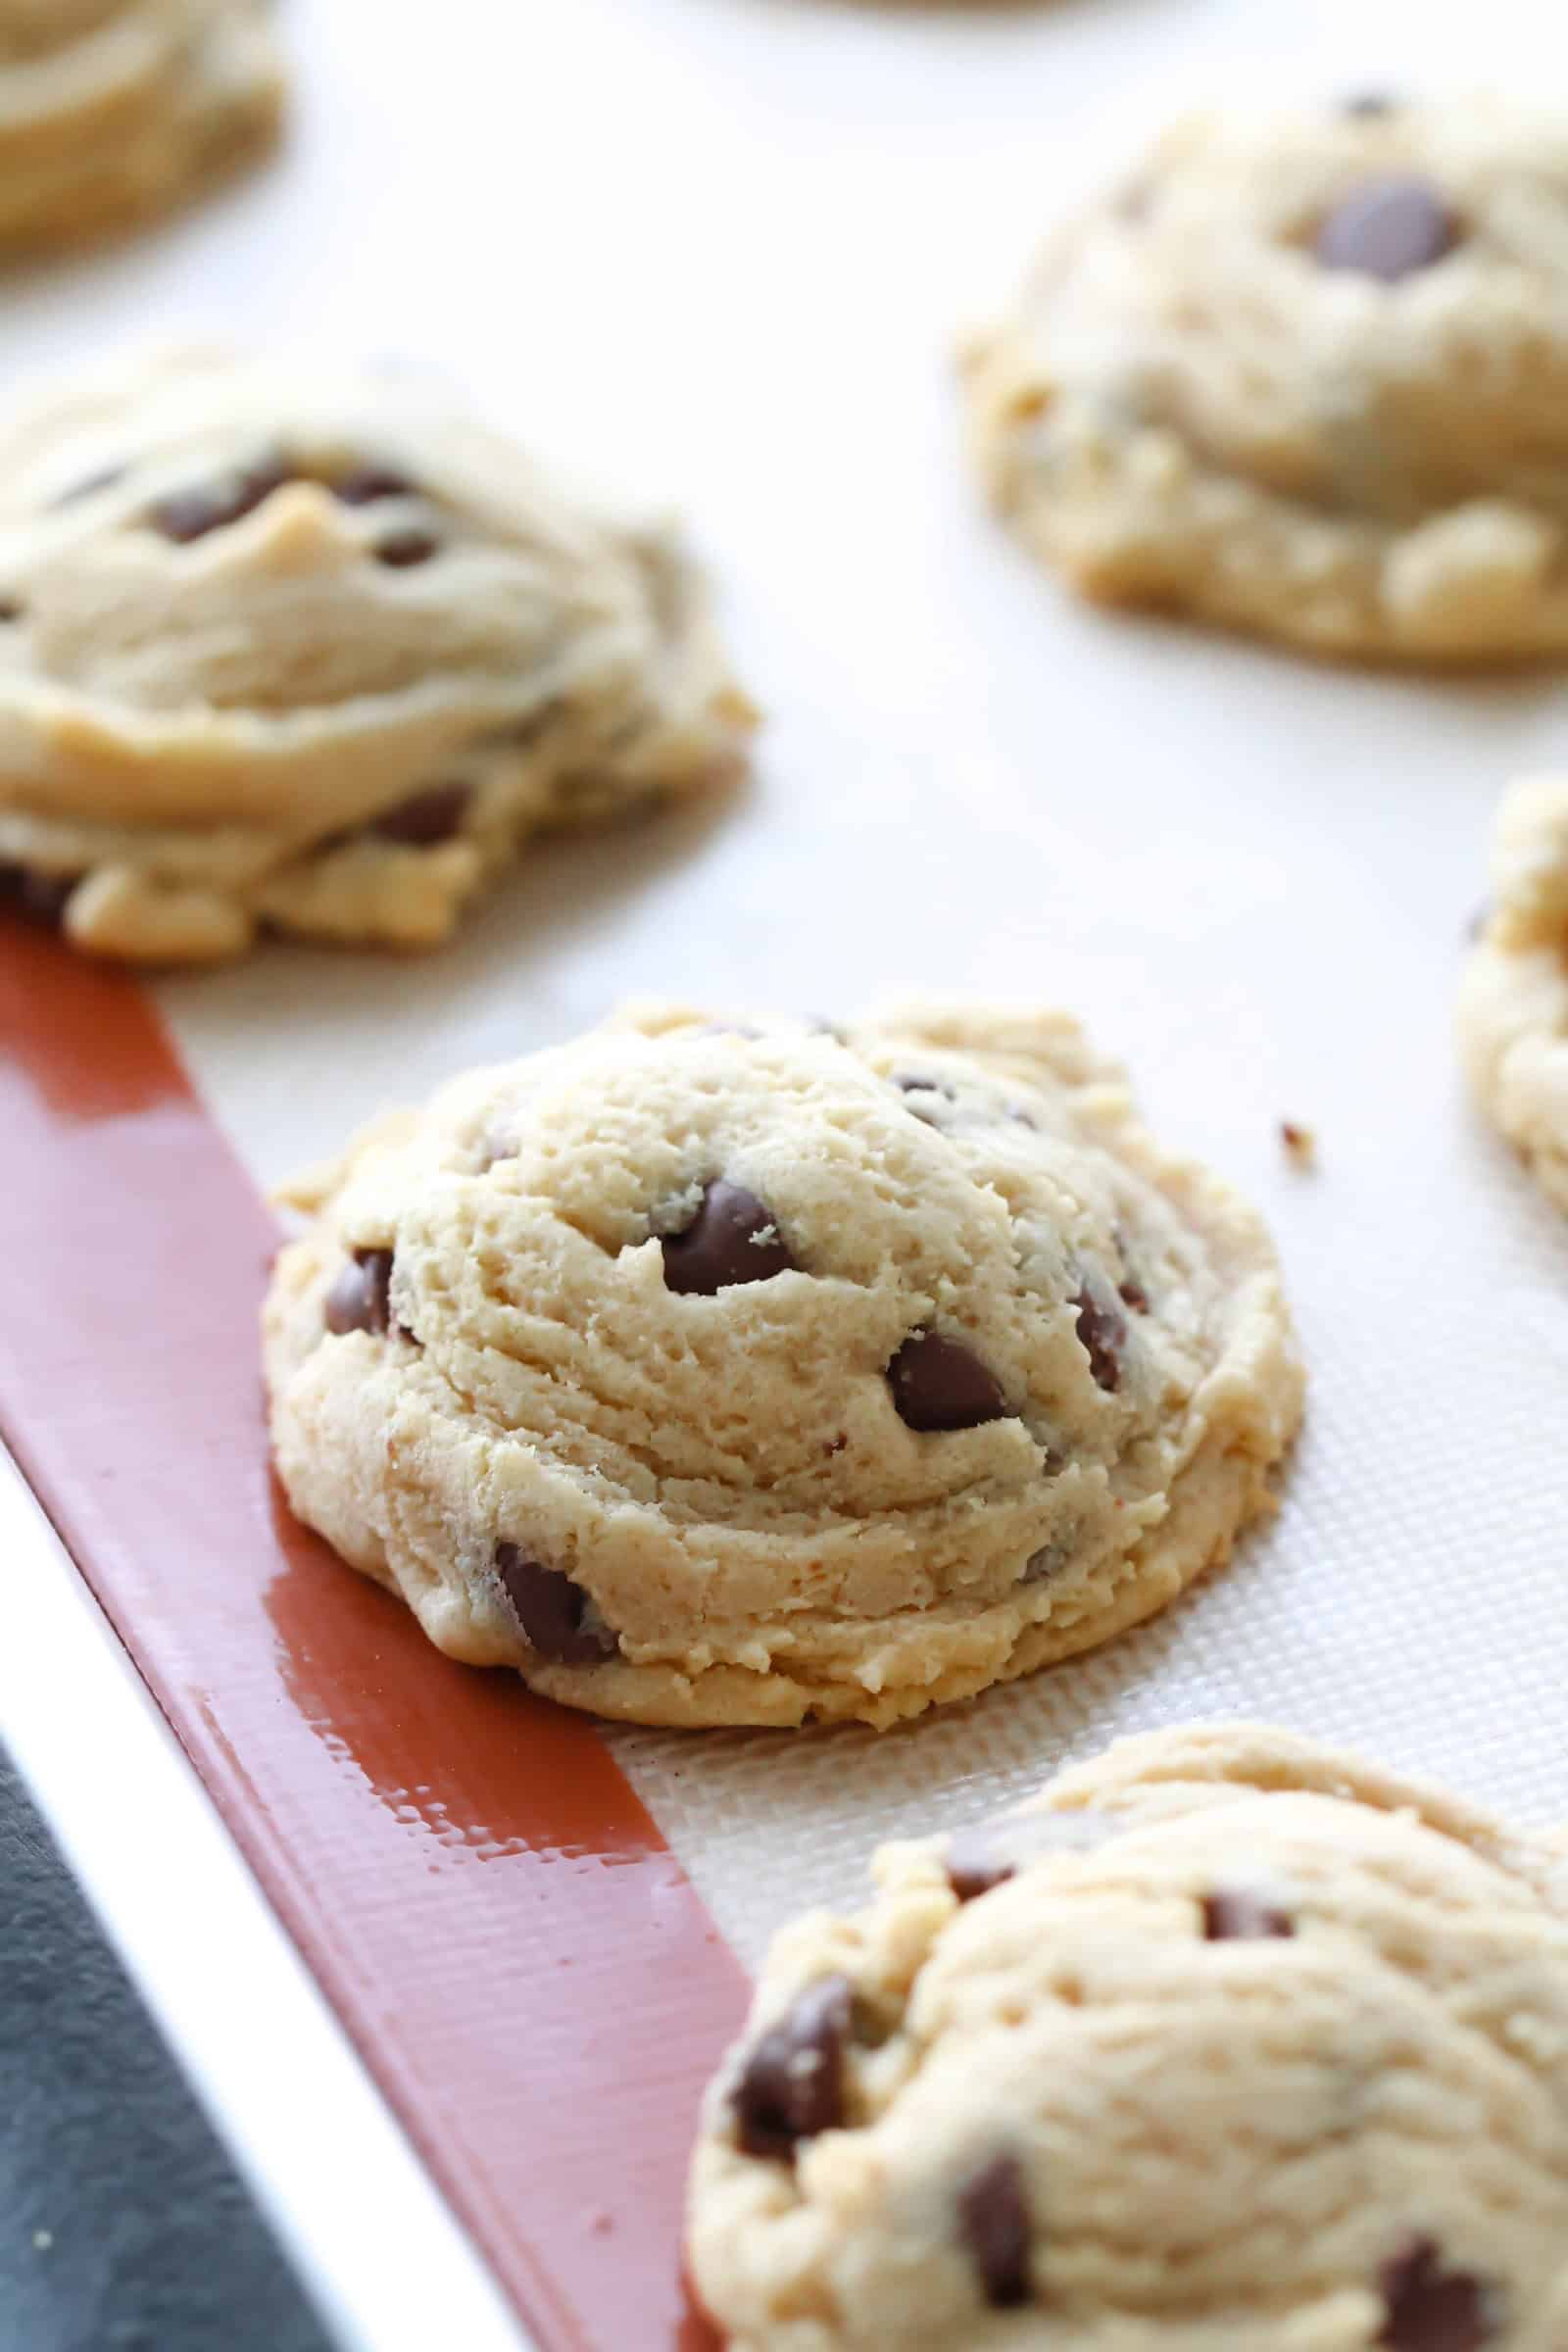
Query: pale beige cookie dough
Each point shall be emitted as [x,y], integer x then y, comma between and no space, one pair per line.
[1227,2042]
[287,650]
[1513,996]
[111,110]
[752,1373]
[1306,375]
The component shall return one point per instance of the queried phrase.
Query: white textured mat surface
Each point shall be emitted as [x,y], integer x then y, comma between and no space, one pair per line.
[716,249]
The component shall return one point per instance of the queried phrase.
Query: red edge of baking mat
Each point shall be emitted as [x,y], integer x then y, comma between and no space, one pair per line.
[495,1917]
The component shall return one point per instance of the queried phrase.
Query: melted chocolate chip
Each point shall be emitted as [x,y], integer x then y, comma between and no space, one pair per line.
[1104,1335]
[553,1611]
[360,1298]
[792,2084]
[365,484]
[1389,228]
[10,610]
[974,1864]
[993,2224]
[1428,2309]
[940,1384]
[188,515]
[427,817]
[41,898]
[401,549]
[1233,1914]
[732,1239]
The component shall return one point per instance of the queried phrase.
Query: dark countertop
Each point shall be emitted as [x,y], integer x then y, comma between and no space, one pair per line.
[124,2227]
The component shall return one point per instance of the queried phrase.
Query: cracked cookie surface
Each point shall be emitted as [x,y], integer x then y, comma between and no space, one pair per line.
[1228,2042]
[1513,995]
[112,110]
[317,655]
[716,1373]
[1307,377]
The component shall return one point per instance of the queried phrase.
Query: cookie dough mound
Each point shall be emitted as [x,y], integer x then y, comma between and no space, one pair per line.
[111,110]
[1513,998]
[1308,377]
[1225,2043]
[748,1373]
[318,655]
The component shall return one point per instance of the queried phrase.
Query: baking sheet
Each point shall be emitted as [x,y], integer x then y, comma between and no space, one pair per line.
[1250,876]
[716,249]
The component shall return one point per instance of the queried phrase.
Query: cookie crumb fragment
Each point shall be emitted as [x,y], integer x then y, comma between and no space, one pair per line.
[1300,1143]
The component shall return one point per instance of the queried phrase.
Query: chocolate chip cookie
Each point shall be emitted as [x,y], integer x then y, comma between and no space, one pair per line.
[317,655]
[111,110]
[746,1372]
[1226,2042]
[1513,998]
[1307,377]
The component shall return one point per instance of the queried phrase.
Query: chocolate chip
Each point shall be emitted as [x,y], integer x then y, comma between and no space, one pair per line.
[792,2084]
[104,479]
[1235,1915]
[10,610]
[360,1298]
[993,2224]
[1389,228]
[41,898]
[426,817]
[188,515]
[975,1865]
[365,484]
[1428,2309]
[553,1611]
[732,1239]
[940,1384]
[1366,106]
[1104,1334]
[400,549]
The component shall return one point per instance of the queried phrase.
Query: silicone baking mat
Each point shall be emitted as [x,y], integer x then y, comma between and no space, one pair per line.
[718,247]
